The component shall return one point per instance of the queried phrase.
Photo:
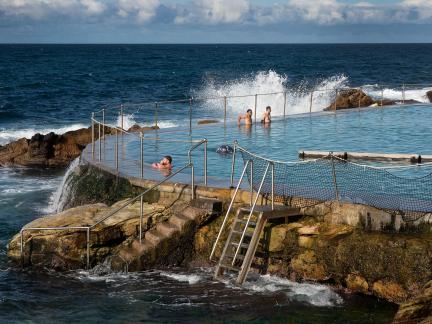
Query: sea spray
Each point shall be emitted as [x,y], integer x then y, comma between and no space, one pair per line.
[271,83]
[60,197]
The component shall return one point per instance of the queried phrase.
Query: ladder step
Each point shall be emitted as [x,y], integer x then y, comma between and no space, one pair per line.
[241,232]
[231,256]
[244,245]
[229,267]
[242,221]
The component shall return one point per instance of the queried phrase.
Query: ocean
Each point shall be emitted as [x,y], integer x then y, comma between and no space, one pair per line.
[47,88]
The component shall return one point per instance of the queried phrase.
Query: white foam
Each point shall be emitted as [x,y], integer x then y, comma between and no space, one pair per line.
[297,97]
[418,94]
[9,135]
[59,198]
[189,278]
[314,294]
[128,121]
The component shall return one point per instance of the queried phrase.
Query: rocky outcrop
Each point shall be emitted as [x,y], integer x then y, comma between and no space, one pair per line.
[429,95]
[351,98]
[51,150]
[168,235]
[417,309]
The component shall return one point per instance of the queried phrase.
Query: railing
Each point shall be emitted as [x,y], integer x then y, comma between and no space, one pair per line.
[88,228]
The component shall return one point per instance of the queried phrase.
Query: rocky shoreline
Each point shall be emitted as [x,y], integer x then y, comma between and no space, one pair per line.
[329,243]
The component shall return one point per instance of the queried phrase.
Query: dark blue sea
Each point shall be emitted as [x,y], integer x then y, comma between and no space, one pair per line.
[47,88]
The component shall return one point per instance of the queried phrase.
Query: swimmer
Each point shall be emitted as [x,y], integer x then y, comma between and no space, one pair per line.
[165,163]
[225,149]
[247,118]
[266,119]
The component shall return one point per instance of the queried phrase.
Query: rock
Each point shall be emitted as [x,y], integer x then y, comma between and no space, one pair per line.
[306,242]
[351,98]
[356,283]
[308,230]
[390,291]
[278,234]
[307,266]
[429,95]
[417,309]
[137,128]
[388,102]
[207,121]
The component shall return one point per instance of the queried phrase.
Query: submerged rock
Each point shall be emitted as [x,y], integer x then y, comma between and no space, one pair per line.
[429,95]
[417,309]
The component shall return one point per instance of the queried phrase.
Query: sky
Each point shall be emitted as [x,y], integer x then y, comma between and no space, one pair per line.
[215,21]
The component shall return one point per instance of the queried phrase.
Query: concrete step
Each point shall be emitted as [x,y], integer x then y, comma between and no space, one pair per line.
[193,213]
[166,229]
[153,237]
[179,221]
[211,205]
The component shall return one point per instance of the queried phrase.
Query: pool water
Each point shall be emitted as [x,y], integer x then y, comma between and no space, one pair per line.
[386,130]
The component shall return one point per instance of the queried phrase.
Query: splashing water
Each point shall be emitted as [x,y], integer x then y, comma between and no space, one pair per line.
[60,197]
[297,96]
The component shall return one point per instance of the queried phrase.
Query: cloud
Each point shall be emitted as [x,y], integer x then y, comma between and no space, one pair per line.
[142,10]
[213,12]
[93,7]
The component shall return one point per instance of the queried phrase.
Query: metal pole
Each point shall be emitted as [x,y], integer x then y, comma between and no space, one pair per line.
[205,162]
[88,248]
[100,142]
[190,116]
[311,102]
[193,180]
[121,117]
[141,218]
[403,93]
[142,154]
[335,103]
[233,165]
[225,109]
[156,113]
[256,103]
[382,96]
[334,177]
[93,137]
[116,150]
[103,129]
[272,185]
[359,98]
[284,103]
[251,181]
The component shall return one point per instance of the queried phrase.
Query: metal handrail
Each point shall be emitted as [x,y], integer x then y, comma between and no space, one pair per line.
[88,228]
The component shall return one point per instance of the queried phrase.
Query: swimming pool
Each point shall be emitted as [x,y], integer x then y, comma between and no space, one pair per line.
[403,129]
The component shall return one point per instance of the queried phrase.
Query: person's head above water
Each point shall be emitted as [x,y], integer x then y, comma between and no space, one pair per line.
[168,158]
[249,111]
[268,108]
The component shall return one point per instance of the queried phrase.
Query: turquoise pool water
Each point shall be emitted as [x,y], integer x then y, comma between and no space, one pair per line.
[404,129]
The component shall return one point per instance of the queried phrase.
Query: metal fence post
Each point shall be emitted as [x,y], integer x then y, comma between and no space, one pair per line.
[103,129]
[284,104]
[233,164]
[142,154]
[359,105]
[190,116]
[272,185]
[117,150]
[93,137]
[121,117]
[382,96]
[311,102]
[205,162]
[256,103]
[156,113]
[193,181]
[141,218]
[100,141]
[88,248]
[334,177]
[403,93]
[225,109]
[251,181]
[335,103]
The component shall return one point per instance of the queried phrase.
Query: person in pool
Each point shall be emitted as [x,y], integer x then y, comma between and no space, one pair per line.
[266,116]
[247,118]
[164,164]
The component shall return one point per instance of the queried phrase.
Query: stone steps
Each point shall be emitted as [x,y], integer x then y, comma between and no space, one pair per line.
[166,234]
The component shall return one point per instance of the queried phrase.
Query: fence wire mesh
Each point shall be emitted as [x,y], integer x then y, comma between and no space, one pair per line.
[308,183]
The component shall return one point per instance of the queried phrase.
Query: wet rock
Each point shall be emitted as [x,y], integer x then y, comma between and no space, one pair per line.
[278,235]
[417,309]
[388,102]
[429,95]
[356,283]
[390,291]
[137,128]
[351,98]
[207,121]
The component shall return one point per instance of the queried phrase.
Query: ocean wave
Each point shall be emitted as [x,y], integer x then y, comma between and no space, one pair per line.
[189,278]
[9,135]
[397,94]
[297,96]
